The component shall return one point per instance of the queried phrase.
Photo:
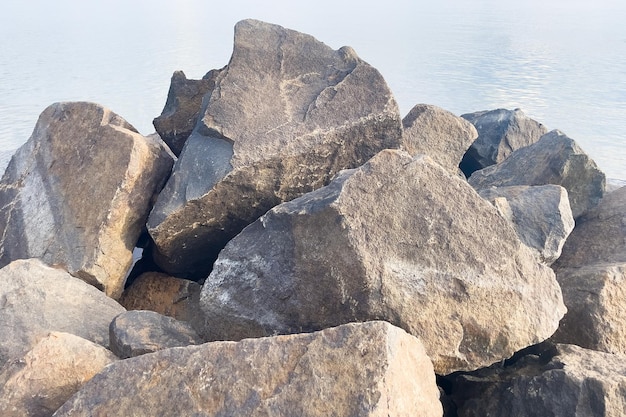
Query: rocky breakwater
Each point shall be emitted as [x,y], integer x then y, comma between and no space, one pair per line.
[336,276]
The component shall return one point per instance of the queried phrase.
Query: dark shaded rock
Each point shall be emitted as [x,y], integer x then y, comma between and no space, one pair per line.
[398,239]
[368,369]
[500,132]
[565,381]
[38,383]
[182,108]
[77,194]
[286,115]
[541,215]
[37,299]
[170,296]
[138,332]
[554,159]
[437,133]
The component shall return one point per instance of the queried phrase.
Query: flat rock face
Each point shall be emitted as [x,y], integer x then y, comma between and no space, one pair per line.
[500,132]
[78,193]
[38,383]
[182,108]
[554,159]
[568,382]
[599,236]
[541,215]
[138,332]
[286,114]
[38,299]
[398,239]
[437,133]
[369,369]
[595,297]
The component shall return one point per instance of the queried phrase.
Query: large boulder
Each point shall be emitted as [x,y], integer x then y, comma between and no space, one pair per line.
[369,369]
[553,159]
[500,132]
[564,381]
[285,116]
[77,194]
[541,215]
[182,108]
[138,332]
[437,133]
[38,299]
[398,239]
[592,274]
[38,383]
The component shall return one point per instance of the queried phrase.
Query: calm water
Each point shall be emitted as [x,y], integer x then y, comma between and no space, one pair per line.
[562,62]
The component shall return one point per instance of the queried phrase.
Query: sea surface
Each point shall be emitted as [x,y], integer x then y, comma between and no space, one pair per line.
[562,62]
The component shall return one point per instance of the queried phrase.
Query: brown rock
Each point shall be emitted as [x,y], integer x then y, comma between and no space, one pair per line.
[37,299]
[398,239]
[286,115]
[77,194]
[437,133]
[138,332]
[37,384]
[369,369]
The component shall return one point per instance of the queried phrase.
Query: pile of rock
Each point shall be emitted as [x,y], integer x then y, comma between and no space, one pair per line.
[308,252]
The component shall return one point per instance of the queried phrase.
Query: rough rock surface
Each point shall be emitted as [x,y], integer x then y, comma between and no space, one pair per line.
[553,159]
[399,239]
[595,297]
[599,236]
[541,215]
[182,108]
[368,369]
[38,383]
[137,332]
[170,296]
[500,132]
[286,115]
[437,133]
[567,381]
[37,299]
[78,192]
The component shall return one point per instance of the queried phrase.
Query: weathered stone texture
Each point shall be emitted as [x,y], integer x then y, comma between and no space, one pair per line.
[78,192]
[399,239]
[37,299]
[567,381]
[138,332]
[541,215]
[369,369]
[437,133]
[38,383]
[553,159]
[286,115]
[500,132]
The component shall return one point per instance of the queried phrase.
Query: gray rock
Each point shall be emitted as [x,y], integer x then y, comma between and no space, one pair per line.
[541,215]
[137,332]
[599,235]
[37,299]
[368,369]
[77,194]
[182,108]
[398,239]
[437,133]
[567,381]
[170,296]
[286,115]
[500,132]
[595,296]
[38,383]
[554,159]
